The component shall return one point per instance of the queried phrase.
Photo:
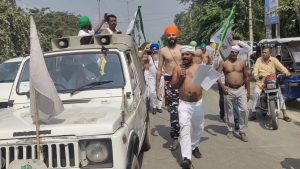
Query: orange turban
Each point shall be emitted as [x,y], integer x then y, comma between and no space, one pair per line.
[172,29]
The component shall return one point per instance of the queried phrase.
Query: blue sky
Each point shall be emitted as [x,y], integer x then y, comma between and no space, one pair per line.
[157,14]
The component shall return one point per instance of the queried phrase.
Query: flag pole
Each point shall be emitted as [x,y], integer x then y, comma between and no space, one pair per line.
[37,125]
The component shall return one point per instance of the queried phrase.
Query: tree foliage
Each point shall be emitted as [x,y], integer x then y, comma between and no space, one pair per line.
[15,30]
[9,2]
[14,34]
[204,17]
[289,14]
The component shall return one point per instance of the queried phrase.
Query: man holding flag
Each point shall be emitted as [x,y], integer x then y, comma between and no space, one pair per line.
[236,91]
[224,38]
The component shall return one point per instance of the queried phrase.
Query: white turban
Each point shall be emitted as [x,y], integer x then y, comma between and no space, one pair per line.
[235,48]
[187,48]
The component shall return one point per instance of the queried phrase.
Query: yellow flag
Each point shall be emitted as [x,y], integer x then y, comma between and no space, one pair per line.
[102,65]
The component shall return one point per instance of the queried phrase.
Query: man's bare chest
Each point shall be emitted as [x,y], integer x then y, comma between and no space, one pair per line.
[233,67]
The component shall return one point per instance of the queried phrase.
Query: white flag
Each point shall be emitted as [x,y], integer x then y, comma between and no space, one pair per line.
[136,28]
[46,102]
[206,76]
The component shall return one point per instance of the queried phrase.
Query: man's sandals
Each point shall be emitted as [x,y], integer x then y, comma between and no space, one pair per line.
[174,145]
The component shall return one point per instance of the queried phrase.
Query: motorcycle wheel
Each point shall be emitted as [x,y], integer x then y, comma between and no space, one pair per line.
[273,114]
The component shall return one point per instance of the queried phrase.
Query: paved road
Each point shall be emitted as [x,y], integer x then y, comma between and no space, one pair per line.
[266,149]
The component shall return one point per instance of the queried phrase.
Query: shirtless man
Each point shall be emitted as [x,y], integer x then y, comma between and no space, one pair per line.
[202,56]
[191,110]
[169,58]
[235,89]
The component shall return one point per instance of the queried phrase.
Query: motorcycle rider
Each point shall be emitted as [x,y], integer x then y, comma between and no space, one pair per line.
[264,66]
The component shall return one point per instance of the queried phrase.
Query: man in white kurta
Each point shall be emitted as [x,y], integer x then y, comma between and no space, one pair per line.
[150,77]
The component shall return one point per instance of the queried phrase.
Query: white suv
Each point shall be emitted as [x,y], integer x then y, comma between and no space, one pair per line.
[105,123]
[9,70]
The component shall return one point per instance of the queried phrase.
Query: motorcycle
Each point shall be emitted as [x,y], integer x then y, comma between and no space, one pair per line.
[269,98]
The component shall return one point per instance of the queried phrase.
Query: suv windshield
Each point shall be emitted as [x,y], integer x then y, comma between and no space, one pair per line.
[8,71]
[72,71]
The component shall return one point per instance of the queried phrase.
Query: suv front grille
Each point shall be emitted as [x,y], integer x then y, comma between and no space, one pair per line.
[55,155]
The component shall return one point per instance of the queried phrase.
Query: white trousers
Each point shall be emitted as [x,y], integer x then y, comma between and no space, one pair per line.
[256,95]
[151,82]
[191,120]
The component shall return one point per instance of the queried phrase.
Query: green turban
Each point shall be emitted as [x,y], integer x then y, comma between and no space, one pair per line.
[193,43]
[84,21]
[202,45]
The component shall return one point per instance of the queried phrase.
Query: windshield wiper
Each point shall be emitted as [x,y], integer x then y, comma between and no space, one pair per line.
[90,85]
[3,81]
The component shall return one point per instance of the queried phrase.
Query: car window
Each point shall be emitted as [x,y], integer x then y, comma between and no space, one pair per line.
[71,71]
[8,71]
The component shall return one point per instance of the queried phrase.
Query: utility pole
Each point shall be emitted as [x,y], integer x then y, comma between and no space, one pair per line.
[190,20]
[251,25]
[99,1]
[127,11]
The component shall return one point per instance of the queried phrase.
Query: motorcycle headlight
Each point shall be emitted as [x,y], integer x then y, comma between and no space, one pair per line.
[97,152]
[271,86]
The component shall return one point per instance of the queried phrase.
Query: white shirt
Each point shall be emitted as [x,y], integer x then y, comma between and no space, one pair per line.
[84,33]
[244,52]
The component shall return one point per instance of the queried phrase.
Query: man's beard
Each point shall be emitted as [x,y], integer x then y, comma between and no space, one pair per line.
[186,63]
[155,56]
[172,42]
[113,26]
[233,58]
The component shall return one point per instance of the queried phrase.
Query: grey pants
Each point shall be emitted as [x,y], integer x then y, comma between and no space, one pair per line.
[239,97]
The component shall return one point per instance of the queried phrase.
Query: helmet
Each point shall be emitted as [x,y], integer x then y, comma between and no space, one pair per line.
[154,46]
[193,43]
[84,21]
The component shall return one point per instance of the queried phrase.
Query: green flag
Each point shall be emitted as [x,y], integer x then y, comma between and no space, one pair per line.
[136,28]
[223,37]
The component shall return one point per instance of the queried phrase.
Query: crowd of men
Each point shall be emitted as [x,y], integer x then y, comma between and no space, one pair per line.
[169,74]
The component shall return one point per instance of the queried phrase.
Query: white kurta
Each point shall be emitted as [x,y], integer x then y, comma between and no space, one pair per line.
[150,77]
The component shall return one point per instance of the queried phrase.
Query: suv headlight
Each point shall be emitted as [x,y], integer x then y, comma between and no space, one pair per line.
[96,151]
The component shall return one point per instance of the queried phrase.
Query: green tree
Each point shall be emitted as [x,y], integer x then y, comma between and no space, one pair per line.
[289,14]
[14,30]
[51,24]
[204,17]
[14,35]
[9,2]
